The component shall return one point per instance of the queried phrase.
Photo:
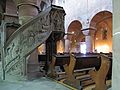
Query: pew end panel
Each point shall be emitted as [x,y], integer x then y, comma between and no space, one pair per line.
[69,70]
[99,76]
[58,60]
[81,63]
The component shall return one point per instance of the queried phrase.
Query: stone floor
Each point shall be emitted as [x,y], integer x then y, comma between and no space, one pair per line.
[110,89]
[11,83]
[39,84]
[43,83]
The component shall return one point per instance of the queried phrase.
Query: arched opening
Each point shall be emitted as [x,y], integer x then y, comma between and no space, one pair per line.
[75,36]
[42,49]
[60,46]
[102,21]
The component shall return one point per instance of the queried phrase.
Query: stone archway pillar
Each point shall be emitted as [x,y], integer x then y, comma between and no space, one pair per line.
[88,40]
[67,45]
[27,9]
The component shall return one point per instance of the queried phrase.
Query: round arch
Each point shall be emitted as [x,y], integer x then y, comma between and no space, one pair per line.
[75,35]
[102,21]
[75,29]
[101,15]
[98,10]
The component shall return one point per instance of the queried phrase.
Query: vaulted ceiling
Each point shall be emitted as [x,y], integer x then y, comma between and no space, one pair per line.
[103,16]
[102,19]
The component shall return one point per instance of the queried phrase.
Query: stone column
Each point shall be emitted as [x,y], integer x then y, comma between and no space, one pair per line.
[88,40]
[67,44]
[116,46]
[27,9]
[77,48]
[92,34]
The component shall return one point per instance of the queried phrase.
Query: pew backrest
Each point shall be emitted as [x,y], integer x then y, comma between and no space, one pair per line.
[87,61]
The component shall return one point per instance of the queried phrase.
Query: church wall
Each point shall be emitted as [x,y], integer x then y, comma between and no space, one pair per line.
[103,36]
[10,17]
[81,11]
[116,46]
[11,7]
[103,41]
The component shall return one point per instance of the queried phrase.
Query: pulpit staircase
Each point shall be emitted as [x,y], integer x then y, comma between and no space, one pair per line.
[28,37]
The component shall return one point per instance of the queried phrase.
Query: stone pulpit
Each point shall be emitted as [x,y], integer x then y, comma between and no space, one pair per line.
[47,26]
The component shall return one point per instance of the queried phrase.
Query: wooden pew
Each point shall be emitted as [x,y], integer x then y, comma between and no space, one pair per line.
[80,63]
[41,57]
[99,76]
[42,61]
[87,61]
[57,60]
[69,69]
[76,62]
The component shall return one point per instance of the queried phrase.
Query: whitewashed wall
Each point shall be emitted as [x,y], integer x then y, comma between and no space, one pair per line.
[116,45]
[77,9]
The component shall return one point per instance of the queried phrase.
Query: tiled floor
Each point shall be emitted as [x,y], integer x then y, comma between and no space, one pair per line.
[39,84]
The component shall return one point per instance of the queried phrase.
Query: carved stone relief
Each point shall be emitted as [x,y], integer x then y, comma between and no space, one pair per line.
[25,43]
[30,38]
[57,20]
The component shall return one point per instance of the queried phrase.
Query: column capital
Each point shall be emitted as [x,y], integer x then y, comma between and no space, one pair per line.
[86,32]
[65,37]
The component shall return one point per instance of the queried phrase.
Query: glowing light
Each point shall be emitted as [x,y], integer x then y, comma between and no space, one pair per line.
[103,48]
[41,49]
[73,32]
[96,38]
[60,47]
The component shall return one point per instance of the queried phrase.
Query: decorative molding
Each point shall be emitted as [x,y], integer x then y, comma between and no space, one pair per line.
[13,24]
[12,15]
[31,4]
